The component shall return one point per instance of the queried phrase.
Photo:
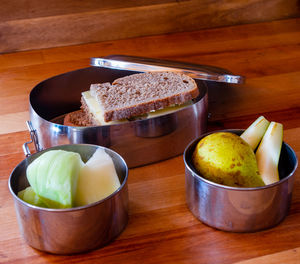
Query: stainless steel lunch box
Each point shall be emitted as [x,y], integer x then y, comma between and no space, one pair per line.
[74,230]
[240,209]
[140,142]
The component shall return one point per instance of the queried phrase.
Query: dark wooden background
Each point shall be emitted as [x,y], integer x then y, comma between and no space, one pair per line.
[35,24]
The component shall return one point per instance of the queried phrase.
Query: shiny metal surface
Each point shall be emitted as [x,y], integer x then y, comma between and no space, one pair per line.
[79,229]
[34,140]
[139,142]
[147,64]
[240,209]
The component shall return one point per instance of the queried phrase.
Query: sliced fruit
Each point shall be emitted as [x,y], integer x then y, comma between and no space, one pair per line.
[268,153]
[97,180]
[254,133]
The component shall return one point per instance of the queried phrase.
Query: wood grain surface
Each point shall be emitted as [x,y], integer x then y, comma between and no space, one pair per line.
[32,24]
[161,229]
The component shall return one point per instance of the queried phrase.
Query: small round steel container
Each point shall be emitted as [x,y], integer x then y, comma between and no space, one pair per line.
[240,209]
[74,230]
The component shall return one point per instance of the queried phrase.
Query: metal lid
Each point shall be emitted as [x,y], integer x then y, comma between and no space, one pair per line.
[130,63]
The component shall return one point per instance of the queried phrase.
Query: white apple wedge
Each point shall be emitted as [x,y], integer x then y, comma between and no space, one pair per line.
[254,133]
[97,179]
[268,153]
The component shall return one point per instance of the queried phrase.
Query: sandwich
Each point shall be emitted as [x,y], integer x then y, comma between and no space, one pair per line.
[132,97]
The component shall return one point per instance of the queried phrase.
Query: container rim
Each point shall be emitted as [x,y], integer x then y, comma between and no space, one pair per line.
[236,131]
[77,208]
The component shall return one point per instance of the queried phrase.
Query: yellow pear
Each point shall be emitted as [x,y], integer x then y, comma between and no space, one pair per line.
[225,158]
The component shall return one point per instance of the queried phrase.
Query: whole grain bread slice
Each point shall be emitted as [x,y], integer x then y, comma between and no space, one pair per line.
[77,118]
[141,93]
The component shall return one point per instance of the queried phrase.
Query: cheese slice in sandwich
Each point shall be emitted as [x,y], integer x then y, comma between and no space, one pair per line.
[94,110]
[151,94]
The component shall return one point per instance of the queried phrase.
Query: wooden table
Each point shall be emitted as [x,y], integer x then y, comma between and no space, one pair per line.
[161,229]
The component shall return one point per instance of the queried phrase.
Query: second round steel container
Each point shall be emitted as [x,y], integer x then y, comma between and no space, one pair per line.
[240,209]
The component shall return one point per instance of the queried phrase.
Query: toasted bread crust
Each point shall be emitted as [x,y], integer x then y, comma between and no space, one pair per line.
[76,118]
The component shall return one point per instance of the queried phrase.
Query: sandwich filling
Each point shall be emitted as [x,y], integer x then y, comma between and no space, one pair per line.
[96,111]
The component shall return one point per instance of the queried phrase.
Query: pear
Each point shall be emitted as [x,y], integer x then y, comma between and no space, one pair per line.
[225,158]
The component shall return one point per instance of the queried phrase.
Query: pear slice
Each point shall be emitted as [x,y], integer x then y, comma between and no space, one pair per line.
[268,153]
[254,133]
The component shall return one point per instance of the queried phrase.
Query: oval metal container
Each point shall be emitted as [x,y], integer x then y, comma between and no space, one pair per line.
[74,230]
[240,209]
[140,142]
